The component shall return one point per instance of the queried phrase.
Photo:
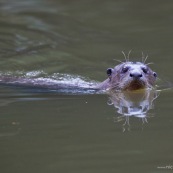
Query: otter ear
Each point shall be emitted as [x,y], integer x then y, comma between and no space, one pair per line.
[109,71]
[155,74]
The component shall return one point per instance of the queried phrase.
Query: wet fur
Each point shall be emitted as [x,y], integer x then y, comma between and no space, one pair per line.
[122,81]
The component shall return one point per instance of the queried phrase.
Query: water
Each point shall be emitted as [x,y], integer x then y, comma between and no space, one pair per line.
[49,131]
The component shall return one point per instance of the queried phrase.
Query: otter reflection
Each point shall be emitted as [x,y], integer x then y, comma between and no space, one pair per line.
[136,104]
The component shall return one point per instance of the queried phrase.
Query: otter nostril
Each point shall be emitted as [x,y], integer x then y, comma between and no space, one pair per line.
[136,75]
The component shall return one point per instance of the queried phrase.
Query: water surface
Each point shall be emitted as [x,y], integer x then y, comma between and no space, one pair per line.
[46,131]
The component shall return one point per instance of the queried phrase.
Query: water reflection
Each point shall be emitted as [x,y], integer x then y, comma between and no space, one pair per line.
[136,104]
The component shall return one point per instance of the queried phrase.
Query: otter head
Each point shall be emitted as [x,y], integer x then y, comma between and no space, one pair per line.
[131,76]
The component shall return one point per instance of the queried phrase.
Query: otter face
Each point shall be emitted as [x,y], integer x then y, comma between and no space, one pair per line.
[131,76]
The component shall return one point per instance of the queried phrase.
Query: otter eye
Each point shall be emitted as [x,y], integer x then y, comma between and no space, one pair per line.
[144,69]
[155,74]
[125,69]
[109,71]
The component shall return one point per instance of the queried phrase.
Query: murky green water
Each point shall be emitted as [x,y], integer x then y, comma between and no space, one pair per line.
[45,131]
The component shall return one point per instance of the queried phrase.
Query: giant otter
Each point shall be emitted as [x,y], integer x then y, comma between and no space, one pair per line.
[129,76]
[125,76]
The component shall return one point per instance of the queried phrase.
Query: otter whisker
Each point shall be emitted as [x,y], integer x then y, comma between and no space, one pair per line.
[149,63]
[129,55]
[125,56]
[118,60]
[145,59]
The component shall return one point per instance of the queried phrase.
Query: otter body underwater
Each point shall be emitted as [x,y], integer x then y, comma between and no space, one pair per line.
[125,76]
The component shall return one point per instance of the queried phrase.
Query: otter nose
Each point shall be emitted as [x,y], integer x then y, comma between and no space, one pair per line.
[135,75]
